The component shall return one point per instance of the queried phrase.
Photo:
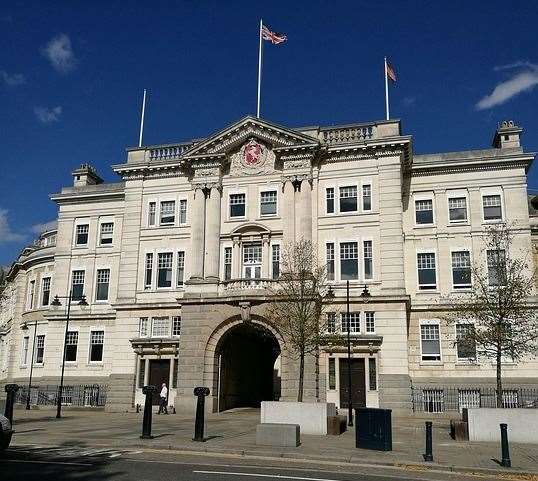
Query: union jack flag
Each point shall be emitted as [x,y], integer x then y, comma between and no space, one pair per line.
[273,37]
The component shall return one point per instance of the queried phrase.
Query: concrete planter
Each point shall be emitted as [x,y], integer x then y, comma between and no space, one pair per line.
[311,417]
[484,424]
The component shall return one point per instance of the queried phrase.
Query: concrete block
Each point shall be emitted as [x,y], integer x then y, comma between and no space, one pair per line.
[484,424]
[272,434]
[311,417]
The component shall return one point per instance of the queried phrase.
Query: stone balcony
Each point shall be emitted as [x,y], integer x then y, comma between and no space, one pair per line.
[244,286]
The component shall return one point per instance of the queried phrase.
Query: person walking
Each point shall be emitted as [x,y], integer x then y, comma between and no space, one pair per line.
[163,400]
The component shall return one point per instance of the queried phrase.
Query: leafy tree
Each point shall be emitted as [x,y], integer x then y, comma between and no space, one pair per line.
[502,321]
[296,305]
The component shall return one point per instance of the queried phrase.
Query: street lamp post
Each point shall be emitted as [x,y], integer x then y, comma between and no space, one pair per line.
[349,392]
[25,328]
[56,303]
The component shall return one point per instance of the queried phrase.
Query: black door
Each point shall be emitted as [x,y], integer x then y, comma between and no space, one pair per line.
[358,386]
[159,372]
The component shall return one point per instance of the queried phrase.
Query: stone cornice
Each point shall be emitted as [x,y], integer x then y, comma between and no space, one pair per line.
[482,165]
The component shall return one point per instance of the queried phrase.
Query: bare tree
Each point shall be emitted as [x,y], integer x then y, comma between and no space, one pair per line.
[498,318]
[296,304]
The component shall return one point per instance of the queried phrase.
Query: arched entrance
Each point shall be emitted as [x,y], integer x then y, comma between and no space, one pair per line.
[246,356]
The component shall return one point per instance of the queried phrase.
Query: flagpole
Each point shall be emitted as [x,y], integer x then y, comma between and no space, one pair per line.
[142,120]
[259,69]
[386,90]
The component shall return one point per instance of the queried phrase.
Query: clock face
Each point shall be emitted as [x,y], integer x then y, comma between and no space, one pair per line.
[252,153]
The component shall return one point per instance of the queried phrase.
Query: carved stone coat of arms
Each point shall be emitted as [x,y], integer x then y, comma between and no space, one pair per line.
[253,158]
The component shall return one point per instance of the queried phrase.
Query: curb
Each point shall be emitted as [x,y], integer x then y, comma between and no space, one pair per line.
[335,460]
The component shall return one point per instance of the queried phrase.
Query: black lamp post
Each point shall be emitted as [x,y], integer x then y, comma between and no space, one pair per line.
[56,303]
[25,328]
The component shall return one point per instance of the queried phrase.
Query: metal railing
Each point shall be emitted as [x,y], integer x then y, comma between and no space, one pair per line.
[439,399]
[83,395]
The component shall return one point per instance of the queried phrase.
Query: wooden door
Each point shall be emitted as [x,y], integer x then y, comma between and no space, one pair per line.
[358,384]
[159,372]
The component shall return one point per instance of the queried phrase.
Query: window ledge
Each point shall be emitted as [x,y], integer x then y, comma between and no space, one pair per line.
[428,291]
[458,224]
[431,363]
[425,226]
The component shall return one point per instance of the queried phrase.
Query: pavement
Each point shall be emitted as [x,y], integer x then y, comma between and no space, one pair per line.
[233,433]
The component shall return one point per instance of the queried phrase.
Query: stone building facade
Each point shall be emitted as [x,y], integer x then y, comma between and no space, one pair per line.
[176,259]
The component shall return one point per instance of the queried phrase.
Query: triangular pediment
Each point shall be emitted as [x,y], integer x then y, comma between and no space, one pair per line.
[237,134]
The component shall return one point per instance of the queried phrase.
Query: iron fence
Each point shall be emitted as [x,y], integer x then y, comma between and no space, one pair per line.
[438,399]
[83,395]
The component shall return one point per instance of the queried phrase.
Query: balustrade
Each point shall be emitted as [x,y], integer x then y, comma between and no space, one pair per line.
[247,283]
[347,135]
[168,152]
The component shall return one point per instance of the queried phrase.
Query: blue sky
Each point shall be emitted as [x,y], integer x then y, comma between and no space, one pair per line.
[72,74]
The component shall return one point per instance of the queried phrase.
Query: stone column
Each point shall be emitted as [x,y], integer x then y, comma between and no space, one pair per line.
[212,234]
[305,220]
[288,213]
[197,234]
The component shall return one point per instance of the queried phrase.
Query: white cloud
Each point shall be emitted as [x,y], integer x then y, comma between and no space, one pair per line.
[48,116]
[522,81]
[12,80]
[60,53]
[6,233]
[45,226]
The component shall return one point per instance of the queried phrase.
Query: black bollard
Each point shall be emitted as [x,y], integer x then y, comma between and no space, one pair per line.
[505,461]
[146,422]
[201,393]
[11,390]
[428,455]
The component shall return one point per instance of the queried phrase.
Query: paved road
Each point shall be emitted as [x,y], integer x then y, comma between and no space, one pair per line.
[71,463]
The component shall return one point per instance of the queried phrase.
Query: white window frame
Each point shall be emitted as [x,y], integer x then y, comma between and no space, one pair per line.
[492,286]
[367,182]
[366,331]
[147,321]
[279,257]
[84,284]
[357,323]
[99,268]
[159,318]
[72,329]
[335,199]
[36,349]
[424,196]
[168,224]
[155,273]
[264,189]
[430,322]
[336,273]
[48,276]
[460,249]
[372,277]
[25,350]
[96,329]
[100,227]
[176,268]
[30,301]
[427,251]
[179,201]
[464,359]
[338,252]
[155,202]
[457,194]
[343,185]
[79,222]
[229,205]
[484,192]
[226,245]
[174,318]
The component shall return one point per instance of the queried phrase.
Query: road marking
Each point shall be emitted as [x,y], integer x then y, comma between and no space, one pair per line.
[45,462]
[274,476]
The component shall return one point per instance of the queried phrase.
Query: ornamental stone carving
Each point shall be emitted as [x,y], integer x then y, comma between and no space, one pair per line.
[253,158]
